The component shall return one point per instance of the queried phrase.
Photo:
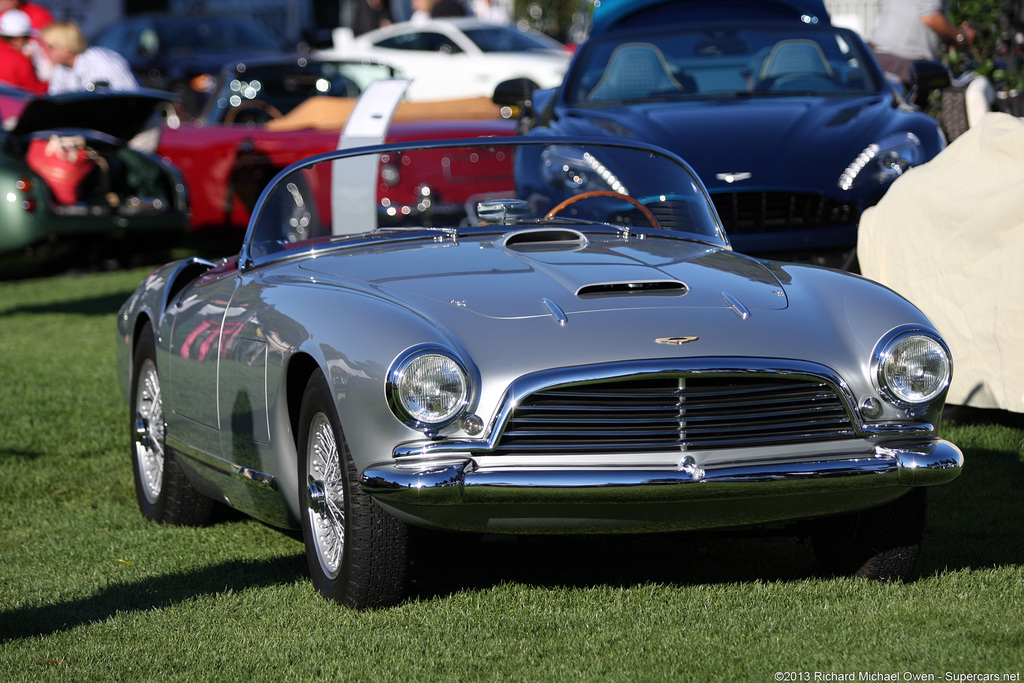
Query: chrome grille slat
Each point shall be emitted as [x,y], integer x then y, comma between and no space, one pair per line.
[675,413]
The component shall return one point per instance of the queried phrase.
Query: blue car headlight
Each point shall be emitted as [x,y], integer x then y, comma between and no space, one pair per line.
[573,169]
[882,162]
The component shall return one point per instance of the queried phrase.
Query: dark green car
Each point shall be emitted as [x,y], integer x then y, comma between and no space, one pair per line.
[69,176]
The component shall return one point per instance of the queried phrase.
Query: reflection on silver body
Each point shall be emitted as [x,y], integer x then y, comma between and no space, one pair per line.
[506,370]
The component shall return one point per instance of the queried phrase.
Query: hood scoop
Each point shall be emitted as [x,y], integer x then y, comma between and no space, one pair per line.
[545,240]
[649,287]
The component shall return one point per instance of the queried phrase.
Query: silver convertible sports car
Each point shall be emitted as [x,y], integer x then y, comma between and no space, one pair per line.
[410,337]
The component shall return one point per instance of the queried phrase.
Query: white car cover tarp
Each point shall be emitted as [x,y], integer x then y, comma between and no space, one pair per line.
[949,236]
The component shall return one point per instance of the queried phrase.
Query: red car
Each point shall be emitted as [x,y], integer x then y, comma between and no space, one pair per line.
[225,166]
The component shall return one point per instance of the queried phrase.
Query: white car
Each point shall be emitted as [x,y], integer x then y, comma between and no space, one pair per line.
[458,58]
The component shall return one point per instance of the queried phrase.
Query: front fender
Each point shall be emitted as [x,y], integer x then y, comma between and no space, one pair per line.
[147,305]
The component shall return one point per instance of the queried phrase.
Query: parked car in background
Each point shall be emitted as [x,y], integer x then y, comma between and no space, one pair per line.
[789,120]
[459,57]
[183,53]
[68,175]
[604,363]
[267,114]
[260,89]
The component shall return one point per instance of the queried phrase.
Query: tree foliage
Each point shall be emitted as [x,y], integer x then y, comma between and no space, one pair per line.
[996,53]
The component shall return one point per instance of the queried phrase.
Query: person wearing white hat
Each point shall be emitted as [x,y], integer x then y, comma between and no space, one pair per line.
[15,66]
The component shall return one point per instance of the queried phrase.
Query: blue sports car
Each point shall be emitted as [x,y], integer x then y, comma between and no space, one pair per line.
[788,120]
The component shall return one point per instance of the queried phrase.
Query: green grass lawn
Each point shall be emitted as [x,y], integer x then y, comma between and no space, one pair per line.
[91,591]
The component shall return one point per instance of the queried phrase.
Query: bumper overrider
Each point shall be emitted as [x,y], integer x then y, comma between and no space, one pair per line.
[459,492]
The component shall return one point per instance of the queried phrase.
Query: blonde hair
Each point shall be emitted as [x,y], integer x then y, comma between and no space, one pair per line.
[65,34]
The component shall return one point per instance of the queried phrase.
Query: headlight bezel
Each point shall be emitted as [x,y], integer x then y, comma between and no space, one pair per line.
[888,351]
[884,160]
[401,380]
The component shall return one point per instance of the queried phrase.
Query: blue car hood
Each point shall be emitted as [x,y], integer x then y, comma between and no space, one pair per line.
[792,143]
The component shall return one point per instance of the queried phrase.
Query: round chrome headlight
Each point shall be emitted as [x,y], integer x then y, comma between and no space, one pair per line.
[428,389]
[914,368]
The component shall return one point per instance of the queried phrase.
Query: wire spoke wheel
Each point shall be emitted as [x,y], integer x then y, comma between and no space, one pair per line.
[149,432]
[326,495]
[357,553]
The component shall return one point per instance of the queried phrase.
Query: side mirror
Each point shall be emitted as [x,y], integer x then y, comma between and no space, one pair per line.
[928,74]
[517,92]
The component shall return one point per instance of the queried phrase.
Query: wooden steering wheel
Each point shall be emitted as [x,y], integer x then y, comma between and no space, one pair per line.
[558,208]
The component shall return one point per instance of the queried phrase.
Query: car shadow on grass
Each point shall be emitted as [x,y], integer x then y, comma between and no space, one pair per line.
[149,594]
[458,563]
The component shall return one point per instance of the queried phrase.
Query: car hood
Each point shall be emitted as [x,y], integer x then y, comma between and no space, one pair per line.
[579,276]
[786,143]
[118,114]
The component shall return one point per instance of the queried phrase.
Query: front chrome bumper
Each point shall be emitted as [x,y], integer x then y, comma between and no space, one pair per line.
[458,493]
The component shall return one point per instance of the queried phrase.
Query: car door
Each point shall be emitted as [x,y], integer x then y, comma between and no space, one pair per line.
[195,323]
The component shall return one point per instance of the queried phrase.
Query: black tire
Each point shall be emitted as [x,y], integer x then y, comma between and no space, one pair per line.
[883,543]
[162,490]
[357,553]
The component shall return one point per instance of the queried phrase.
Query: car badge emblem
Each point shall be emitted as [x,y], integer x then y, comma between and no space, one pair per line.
[675,340]
[733,177]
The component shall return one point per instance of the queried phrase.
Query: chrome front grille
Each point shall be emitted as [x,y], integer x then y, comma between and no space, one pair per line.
[675,413]
[747,213]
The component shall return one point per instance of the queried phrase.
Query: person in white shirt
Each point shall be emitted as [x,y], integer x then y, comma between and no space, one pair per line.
[77,66]
[492,11]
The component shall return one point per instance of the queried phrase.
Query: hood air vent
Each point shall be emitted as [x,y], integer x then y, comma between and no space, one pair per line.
[657,287]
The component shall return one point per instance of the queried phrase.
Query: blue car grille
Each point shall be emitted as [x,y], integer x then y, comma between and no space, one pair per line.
[676,414]
[745,213]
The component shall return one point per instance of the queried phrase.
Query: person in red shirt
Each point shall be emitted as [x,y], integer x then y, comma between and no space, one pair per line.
[15,66]
[40,17]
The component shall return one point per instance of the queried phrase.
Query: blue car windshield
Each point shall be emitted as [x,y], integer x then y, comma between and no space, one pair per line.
[656,64]
[509,39]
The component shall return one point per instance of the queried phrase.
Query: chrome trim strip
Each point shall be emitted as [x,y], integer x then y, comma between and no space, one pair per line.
[453,481]
[220,464]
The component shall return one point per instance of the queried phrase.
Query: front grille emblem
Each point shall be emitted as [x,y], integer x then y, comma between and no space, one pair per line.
[675,340]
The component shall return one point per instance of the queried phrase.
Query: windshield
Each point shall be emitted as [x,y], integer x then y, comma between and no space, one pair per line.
[507,39]
[457,188]
[216,33]
[681,63]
